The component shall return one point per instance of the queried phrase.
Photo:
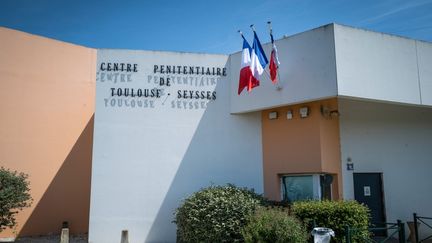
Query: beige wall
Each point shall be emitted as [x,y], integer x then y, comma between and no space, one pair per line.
[300,145]
[330,145]
[46,127]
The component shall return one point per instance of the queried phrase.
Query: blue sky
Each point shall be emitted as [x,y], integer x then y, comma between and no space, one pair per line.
[205,26]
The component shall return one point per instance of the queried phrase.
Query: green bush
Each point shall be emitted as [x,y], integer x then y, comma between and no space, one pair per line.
[215,214]
[335,215]
[274,225]
[14,196]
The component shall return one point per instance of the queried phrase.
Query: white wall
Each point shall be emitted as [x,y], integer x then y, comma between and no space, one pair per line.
[424,52]
[307,72]
[395,140]
[335,60]
[384,67]
[145,160]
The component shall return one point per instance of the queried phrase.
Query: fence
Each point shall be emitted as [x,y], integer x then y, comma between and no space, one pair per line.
[417,221]
[392,229]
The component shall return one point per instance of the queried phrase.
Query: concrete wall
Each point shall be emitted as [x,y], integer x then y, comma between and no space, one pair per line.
[335,60]
[383,67]
[147,158]
[46,128]
[307,72]
[394,140]
[300,145]
[330,144]
[424,57]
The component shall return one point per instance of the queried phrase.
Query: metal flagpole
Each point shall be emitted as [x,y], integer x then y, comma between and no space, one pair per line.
[241,33]
[279,82]
[253,29]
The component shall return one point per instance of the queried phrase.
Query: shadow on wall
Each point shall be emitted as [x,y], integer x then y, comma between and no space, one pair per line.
[67,198]
[224,149]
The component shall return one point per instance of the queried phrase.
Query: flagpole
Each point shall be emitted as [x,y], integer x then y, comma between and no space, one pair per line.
[270,28]
[241,33]
[253,29]
[278,85]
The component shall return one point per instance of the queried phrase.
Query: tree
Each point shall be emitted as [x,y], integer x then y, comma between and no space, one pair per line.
[14,196]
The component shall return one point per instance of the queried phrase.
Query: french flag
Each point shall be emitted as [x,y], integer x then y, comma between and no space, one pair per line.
[274,60]
[247,79]
[258,58]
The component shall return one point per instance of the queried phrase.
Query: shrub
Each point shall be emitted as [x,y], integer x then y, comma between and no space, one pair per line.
[274,225]
[14,196]
[215,214]
[335,215]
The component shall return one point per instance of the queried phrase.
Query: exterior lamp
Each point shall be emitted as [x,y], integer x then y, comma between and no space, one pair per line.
[304,112]
[289,115]
[273,115]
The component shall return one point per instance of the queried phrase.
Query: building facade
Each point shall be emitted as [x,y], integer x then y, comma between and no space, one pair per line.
[350,118]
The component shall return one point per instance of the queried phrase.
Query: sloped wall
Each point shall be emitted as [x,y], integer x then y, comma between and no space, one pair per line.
[46,127]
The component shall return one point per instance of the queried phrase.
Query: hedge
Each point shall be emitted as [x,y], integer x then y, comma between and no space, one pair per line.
[216,214]
[274,225]
[335,215]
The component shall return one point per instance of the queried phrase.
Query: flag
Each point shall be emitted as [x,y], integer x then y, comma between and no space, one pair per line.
[246,80]
[274,60]
[258,58]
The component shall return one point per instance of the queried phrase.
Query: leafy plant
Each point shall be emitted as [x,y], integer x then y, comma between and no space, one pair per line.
[216,214]
[14,196]
[274,225]
[335,215]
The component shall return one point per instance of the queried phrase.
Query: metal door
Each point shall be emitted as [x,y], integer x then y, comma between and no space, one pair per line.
[368,189]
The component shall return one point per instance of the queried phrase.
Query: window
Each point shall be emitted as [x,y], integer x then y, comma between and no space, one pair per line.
[306,187]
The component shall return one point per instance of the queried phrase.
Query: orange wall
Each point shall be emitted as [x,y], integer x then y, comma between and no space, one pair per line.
[300,145]
[330,146]
[47,104]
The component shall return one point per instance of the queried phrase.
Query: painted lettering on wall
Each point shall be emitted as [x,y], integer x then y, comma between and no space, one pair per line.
[183,87]
[191,70]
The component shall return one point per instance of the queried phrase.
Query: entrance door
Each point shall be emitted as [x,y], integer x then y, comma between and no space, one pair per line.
[368,190]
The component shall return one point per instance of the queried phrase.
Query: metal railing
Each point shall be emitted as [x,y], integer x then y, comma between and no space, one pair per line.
[417,221]
[392,229]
